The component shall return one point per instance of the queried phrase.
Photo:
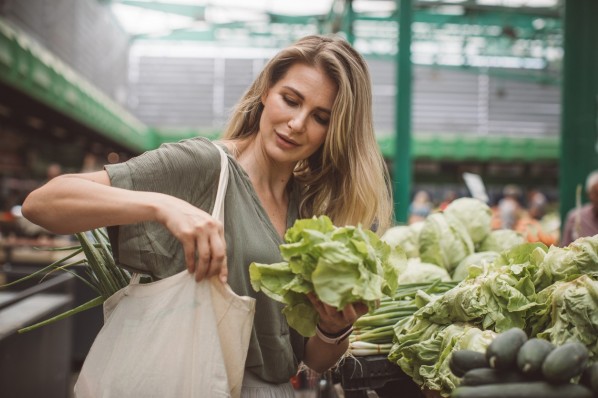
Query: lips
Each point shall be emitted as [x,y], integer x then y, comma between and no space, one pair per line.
[286,140]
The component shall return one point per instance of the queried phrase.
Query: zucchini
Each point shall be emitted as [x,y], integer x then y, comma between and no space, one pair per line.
[534,389]
[502,351]
[463,361]
[564,362]
[483,376]
[532,354]
[589,377]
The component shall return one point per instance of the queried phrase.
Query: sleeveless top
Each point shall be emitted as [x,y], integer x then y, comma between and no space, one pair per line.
[189,170]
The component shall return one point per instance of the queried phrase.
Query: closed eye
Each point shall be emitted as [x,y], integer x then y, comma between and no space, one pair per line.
[321,119]
[289,101]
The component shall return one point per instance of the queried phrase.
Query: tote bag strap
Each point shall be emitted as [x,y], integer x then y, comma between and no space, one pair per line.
[218,211]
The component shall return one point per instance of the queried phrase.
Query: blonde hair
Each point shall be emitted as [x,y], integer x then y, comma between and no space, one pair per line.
[347,178]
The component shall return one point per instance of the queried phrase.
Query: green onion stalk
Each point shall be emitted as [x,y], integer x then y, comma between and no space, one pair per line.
[102,274]
[373,333]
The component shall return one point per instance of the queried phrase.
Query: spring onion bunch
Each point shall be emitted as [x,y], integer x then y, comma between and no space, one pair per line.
[102,274]
[373,333]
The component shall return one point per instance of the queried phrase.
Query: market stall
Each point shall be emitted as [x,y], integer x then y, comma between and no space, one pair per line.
[488,284]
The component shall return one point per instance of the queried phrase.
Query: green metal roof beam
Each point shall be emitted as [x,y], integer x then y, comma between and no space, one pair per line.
[519,21]
[482,148]
[197,12]
[455,147]
[30,68]
[474,6]
[182,35]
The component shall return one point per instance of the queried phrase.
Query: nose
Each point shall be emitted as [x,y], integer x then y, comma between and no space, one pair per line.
[297,122]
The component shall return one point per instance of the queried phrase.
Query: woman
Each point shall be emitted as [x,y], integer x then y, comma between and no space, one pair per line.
[300,143]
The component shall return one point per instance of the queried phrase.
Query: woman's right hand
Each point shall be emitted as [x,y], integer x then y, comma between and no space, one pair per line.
[201,235]
[80,202]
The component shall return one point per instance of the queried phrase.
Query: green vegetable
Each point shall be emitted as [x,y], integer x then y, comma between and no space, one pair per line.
[502,352]
[483,376]
[569,313]
[463,361]
[532,354]
[473,260]
[103,275]
[406,237]
[535,389]
[418,272]
[565,362]
[444,241]
[500,240]
[341,265]
[559,264]
[589,377]
[423,350]
[474,214]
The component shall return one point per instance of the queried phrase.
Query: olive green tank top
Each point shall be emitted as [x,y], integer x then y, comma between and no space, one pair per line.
[189,170]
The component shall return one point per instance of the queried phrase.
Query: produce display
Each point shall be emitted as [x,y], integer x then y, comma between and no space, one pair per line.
[515,366]
[503,283]
[461,309]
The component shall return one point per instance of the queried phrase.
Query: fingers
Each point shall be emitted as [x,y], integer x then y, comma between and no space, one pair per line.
[331,319]
[205,250]
[210,258]
[203,257]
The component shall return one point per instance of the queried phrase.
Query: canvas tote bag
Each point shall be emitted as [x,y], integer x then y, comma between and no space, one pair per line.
[171,338]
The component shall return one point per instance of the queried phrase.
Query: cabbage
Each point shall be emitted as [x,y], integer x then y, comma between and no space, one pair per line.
[580,257]
[444,241]
[574,316]
[475,215]
[495,298]
[479,258]
[404,236]
[418,272]
[499,240]
[423,350]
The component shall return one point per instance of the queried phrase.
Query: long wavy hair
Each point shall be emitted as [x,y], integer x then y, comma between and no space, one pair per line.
[347,178]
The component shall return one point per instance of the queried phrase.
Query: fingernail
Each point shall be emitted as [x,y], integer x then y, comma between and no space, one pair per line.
[223,278]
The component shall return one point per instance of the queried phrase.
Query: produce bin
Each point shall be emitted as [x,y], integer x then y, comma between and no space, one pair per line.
[36,363]
[86,324]
[361,374]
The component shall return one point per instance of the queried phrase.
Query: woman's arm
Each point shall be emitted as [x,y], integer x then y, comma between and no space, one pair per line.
[320,355]
[79,202]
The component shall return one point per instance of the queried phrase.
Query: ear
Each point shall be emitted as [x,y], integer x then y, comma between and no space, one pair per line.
[264,97]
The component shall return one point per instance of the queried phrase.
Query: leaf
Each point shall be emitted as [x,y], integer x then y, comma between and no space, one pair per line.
[83,307]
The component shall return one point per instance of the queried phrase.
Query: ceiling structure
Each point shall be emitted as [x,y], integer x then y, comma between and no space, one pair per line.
[509,34]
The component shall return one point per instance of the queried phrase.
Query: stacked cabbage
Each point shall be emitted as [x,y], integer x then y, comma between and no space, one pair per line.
[548,292]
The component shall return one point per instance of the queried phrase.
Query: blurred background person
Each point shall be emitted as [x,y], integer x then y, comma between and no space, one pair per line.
[449,196]
[509,207]
[536,204]
[583,221]
[420,207]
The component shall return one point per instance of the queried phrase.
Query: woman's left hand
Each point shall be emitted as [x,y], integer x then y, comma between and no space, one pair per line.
[333,320]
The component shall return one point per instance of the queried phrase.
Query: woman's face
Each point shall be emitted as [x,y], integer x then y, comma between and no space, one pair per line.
[296,114]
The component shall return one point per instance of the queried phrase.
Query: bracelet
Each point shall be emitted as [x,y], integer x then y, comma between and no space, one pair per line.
[335,338]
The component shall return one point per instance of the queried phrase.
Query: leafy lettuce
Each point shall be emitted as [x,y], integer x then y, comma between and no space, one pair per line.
[423,350]
[341,265]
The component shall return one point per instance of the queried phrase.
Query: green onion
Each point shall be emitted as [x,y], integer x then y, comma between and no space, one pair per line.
[103,275]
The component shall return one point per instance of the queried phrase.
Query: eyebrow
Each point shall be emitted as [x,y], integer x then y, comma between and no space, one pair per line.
[298,94]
